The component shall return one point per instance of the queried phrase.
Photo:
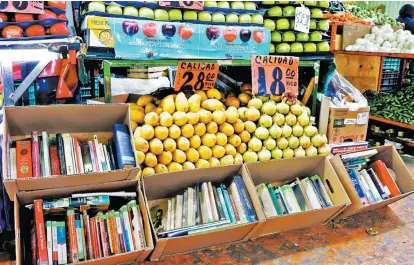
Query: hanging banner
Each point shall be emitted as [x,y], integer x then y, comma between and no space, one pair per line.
[196,5]
[195,76]
[274,75]
[31,7]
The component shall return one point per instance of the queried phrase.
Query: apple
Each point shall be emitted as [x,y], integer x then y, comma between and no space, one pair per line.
[270,24]
[289,11]
[275,11]
[150,29]
[130,27]
[310,3]
[190,15]
[146,12]
[3,17]
[212,33]
[272,48]
[323,4]
[249,6]
[292,24]
[23,17]
[218,17]
[312,24]
[35,30]
[276,36]
[302,36]
[175,14]
[204,16]
[316,13]
[47,14]
[259,36]
[316,36]
[114,9]
[296,47]
[131,11]
[282,23]
[168,30]
[230,34]
[245,18]
[237,5]
[288,36]
[257,18]
[161,14]
[185,32]
[309,47]
[283,48]
[323,46]
[245,35]
[223,4]
[97,6]
[232,18]
[210,3]
[268,3]
[323,25]
[59,29]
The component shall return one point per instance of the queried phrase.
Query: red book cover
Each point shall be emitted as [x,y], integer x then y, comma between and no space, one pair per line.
[385,177]
[87,231]
[94,234]
[95,154]
[103,236]
[114,233]
[98,238]
[36,155]
[40,232]
[54,160]
[24,159]
[73,241]
[236,214]
[76,147]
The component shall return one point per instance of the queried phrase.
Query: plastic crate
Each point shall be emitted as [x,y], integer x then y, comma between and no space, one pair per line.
[391,64]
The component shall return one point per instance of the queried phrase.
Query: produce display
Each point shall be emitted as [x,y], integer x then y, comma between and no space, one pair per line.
[209,129]
[397,107]
[280,20]
[345,17]
[376,17]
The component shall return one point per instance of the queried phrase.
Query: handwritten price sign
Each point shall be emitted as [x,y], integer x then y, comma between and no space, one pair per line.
[31,7]
[196,5]
[274,75]
[195,76]
[302,19]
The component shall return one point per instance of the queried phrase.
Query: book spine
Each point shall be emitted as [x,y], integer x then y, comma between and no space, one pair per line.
[290,206]
[73,153]
[45,147]
[383,174]
[172,219]
[102,158]
[281,202]
[120,233]
[237,202]
[310,193]
[198,206]
[213,202]
[303,192]
[62,246]
[98,236]
[233,205]
[274,199]
[104,236]
[190,196]
[228,204]
[54,160]
[55,249]
[95,245]
[13,168]
[36,155]
[42,158]
[128,232]
[184,222]
[73,241]
[112,244]
[357,185]
[179,211]
[137,225]
[105,218]
[33,242]
[92,151]
[207,213]
[318,194]
[365,187]
[88,236]
[219,205]
[96,151]
[24,159]
[49,239]
[68,154]
[368,180]
[86,157]
[40,232]
[124,154]
[322,189]
[377,183]
[80,236]
[124,232]
[108,161]
[223,204]
[78,155]
[111,154]
[114,233]
[61,154]
[169,216]
[7,170]
[265,199]
[251,213]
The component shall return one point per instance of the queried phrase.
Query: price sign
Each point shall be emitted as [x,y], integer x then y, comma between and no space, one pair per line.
[196,5]
[195,76]
[302,19]
[31,7]
[274,75]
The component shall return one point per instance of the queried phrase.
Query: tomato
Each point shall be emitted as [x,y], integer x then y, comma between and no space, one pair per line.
[58,4]
[35,30]
[59,29]
[62,16]
[12,31]
[3,17]
[47,14]
[23,17]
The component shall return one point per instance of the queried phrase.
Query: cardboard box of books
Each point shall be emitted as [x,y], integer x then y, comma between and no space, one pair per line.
[372,178]
[92,224]
[296,193]
[66,145]
[201,208]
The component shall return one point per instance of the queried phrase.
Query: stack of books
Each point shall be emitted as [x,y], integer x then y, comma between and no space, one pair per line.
[62,154]
[294,197]
[203,208]
[72,230]
[372,181]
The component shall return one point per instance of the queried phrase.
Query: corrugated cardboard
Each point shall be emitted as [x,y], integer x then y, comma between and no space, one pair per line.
[288,169]
[24,198]
[166,185]
[81,120]
[347,125]
[389,155]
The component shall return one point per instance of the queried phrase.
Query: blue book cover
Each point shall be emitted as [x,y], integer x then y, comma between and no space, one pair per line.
[355,181]
[377,183]
[61,240]
[245,199]
[228,204]
[274,199]
[223,203]
[280,200]
[123,148]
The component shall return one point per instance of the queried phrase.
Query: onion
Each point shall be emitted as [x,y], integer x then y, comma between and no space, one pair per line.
[410,45]
[379,32]
[360,41]
[394,44]
[386,44]
[379,40]
[401,39]
[349,48]
[324,149]
[374,29]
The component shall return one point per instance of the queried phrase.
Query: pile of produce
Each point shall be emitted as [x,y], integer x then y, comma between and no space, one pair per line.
[207,129]
[280,20]
[377,17]
[345,17]
[397,107]
[384,39]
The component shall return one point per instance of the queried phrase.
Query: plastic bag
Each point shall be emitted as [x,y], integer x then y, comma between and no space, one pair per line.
[344,95]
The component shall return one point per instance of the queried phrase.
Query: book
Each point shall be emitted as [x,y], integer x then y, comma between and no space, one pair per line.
[68,154]
[266,200]
[281,201]
[86,158]
[102,158]
[195,199]
[223,204]
[169,215]
[97,153]
[178,211]
[74,160]
[213,202]
[198,218]
[49,239]
[228,204]
[251,213]
[207,214]
[385,177]
[24,159]
[54,160]
[73,239]
[88,236]
[137,225]
[128,231]
[61,153]
[274,199]
[172,219]
[190,208]
[13,168]
[42,158]
[78,154]
[94,159]
[218,204]
[111,153]
[375,194]
[55,249]
[357,185]
[94,238]
[365,153]
[33,243]
[186,230]
[301,198]
[107,162]
[98,236]
[377,183]
[45,149]
[237,201]
[311,194]
[365,188]
[290,199]
[112,233]
[61,240]
[36,155]
[233,205]
[120,232]
[124,155]
[40,232]
[106,227]
[80,236]
[322,190]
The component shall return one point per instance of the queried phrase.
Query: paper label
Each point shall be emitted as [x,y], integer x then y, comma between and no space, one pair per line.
[195,76]
[302,19]
[349,121]
[362,118]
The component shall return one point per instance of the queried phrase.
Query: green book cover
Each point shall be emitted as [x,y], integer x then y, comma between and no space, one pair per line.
[274,199]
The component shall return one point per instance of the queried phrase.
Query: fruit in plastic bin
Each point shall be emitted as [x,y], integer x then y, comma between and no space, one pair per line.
[204,16]
[168,30]
[323,46]
[245,18]
[276,36]
[277,153]
[161,14]
[12,31]
[188,165]
[283,48]
[270,24]
[237,5]
[174,166]
[59,29]
[310,3]
[282,23]
[185,32]
[114,9]
[272,48]
[223,4]
[131,11]
[249,6]
[289,11]
[150,29]
[288,36]
[316,13]
[301,36]
[190,15]
[323,25]
[255,144]
[257,18]
[316,36]
[146,12]
[3,17]
[268,3]
[275,11]
[97,6]
[296,47]
[23,17]
[148,171]
[218,17]
[210,3]
[309,47]
[312,24]
[57,4]
[250,156]
[47,14]
[35,30]
[245,35]
[232,18]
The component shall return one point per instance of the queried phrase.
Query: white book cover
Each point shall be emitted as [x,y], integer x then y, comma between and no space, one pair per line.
[98,157]
[55,248]
[74,161]
[267,203]
[190,198]
[68,154]
[13,161]
[93,157]
[367,153]
[237,201]
[213,202]
[127,223]
[172,220]
[178,211]
[366,188]
[119,229]
[169,216]
[371,185]
[46,156]
[137,229]
[290,201]
[105,150]
[194,206]
[82,168]
[49,240]
[310,193]
[207,213]
[102,158]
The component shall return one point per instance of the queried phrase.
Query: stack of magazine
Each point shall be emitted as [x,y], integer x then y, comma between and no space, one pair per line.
[203,208]
[294,197]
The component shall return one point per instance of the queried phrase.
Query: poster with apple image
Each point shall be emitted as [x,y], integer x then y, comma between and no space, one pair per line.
[274,75]
[30,7]
[195,5]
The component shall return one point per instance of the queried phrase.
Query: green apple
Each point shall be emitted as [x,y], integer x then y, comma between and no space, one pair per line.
[292,24]
[272,48]
[237,5]
[249,6]
[288,36]
[283,48]
[232,18]
[175,14]
[323,4]
[310,3]
[161,14]
[245,18]
[276,36]
[309,47]
[218,17]
[289,11]
[223,4]
[270,24]
[268,3]
[275,11]
[257,18]
[323,46]
[296,47]
[130,11]
[210,3]
[316,13]
[190,15]
[96,6]
[302,36]
[114,9]
[204,16]
[312,24]
[316,36]
[282,23]
[146,12]
[282,2]
[323,25]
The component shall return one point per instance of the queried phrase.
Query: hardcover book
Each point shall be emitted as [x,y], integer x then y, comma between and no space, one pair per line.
[24,159]
[125,155]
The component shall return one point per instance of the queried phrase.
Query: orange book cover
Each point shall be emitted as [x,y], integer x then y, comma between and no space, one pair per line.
[385,177]
[24,159]
[114,233]
[73,241]
[54,160]
[76,148]
[94,234]
[40,231]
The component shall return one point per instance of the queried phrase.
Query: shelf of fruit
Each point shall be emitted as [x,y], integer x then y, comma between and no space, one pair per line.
[381,54]
[377,18]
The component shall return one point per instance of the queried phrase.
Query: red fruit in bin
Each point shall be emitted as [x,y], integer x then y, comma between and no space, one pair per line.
[3,17]
[23,17]
[58,4]
[62,16]
[59,29]
[47,14]
[12,31]
[35,30]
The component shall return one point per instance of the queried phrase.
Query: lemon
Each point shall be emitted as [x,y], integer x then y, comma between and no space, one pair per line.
[227,160]
[193,118]
[134,125]
[235,140]
[250,126]
[183,143]
[169,145]
[150,159]
[230,150]
[151,119]
[205,116]
[238,126]
[180,118]
[166,119]
[148,171]
[204,152]
[173,166]
[200,129]
[141,144]
[221,138]
[218,151]
[242,148]
[140,157]
[156,146]
[245,136]
[147,132]
[208,139]
[227,129]
[212,127]
[179,156]
[219,116]
[202,163]
[137,116]
[187,165]
[187,130]
[214,162]
[161,132]
[192,155]
[160,168]
[174,131]
[165,157]
[195,141]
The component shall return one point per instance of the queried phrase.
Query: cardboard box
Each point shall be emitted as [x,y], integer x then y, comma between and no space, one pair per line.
[22,219]
[288,169]
[166,185]
[83,121]
[347,125]
[389,155]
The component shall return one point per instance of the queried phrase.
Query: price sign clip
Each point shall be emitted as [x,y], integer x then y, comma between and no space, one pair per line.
[195,76]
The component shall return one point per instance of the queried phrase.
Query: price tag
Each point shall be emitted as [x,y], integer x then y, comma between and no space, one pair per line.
[195,76]
[302,19]
[274,75]
[196,5]
[31,7]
